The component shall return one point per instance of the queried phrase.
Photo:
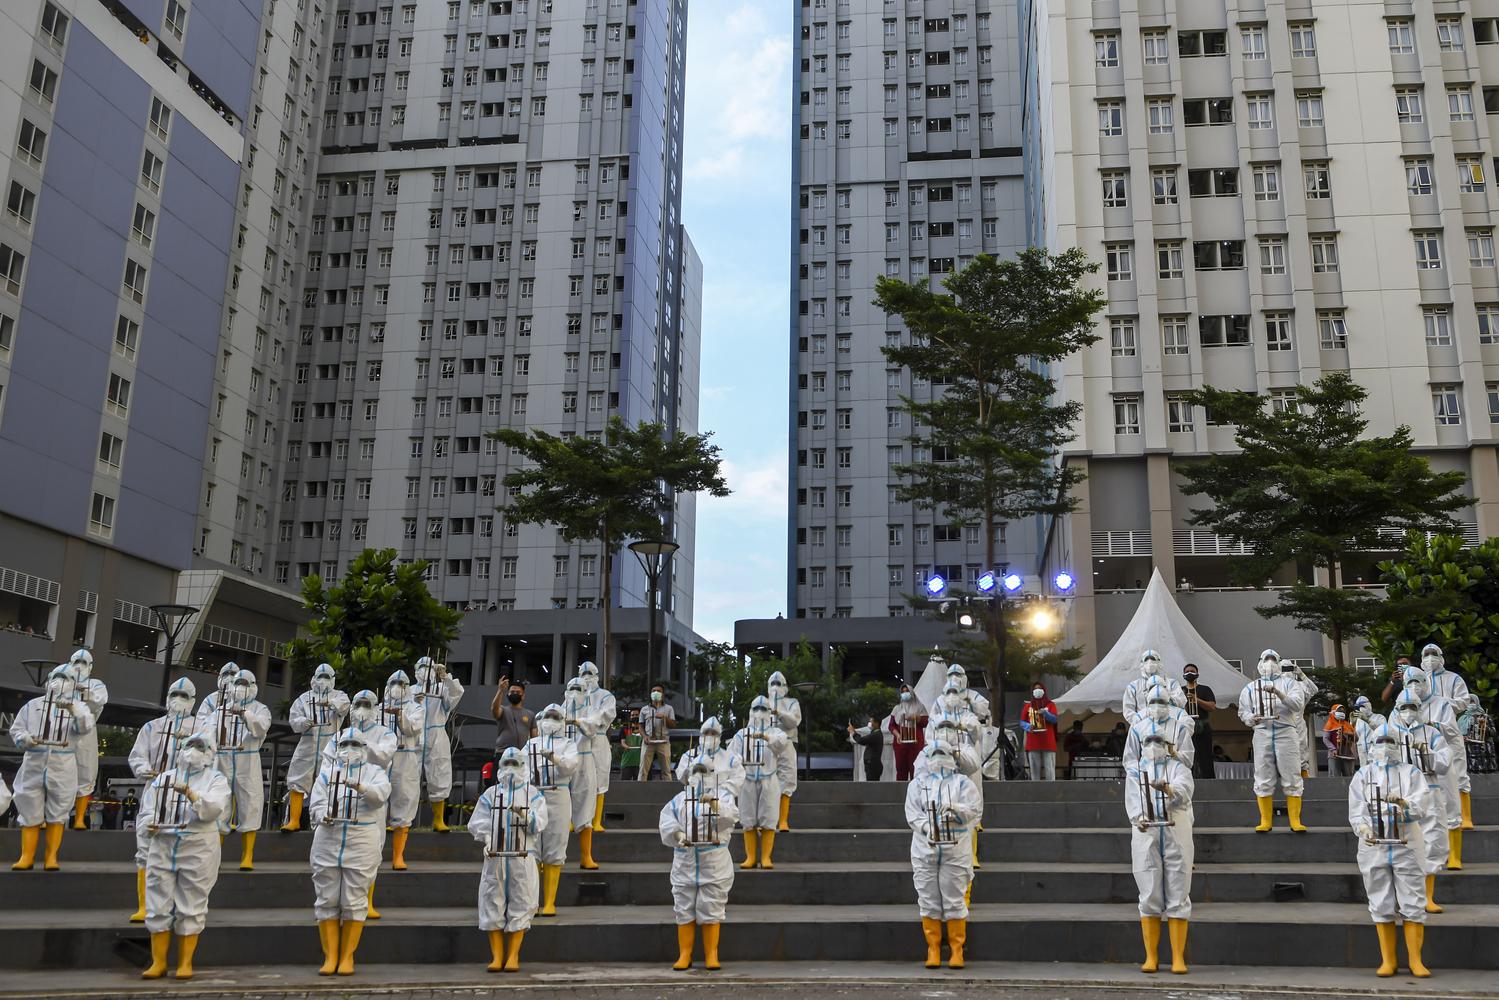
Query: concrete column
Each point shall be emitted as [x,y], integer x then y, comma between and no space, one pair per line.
[1079,525]
[1158,487]
[559,671]
[1485,479]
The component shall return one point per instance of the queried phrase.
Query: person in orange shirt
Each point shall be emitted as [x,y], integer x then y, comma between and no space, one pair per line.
[1341,743]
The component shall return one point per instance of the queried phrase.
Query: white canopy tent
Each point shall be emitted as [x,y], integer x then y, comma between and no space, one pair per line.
[1161,625]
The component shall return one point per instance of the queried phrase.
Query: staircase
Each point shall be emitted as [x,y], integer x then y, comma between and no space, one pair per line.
[1055,887]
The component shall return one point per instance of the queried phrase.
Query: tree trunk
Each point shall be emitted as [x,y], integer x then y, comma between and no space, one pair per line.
[994,624]
[1334,627]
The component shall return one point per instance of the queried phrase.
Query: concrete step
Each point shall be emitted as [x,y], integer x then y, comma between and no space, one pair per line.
[87,884]
[1238,933]
[1107,844]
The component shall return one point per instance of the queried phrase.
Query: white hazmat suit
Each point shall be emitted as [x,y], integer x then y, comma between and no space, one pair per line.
[1158,800]
[94,694]
[317,714]
[756,747]
[552,760]
[1271,704]
[239,726]
[942,807]
[697,825]
[1150,675]
[47,730]
[400,713]
[438,694]
[787,712]
[347,809]
[509,816]
[600,704]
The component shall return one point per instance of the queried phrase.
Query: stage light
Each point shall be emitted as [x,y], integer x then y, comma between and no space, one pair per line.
[987,582]
[935,585]
[1064,581]
[1042,620]
[1012,582]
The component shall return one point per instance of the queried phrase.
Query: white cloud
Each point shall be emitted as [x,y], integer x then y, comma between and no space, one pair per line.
[738,91]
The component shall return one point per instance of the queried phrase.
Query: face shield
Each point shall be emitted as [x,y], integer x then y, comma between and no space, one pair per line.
[1150,665]
[82,664]
[710,740]
[1153,749]
[351,752]
[776,685]
[512,765]
[322,680]
[957,677]
[941,760]
[362,710]
[1158,709]
[226,676]
[196,752]
[179,704]
[550,722]
[1268,668]
[1384,750]
[60,685]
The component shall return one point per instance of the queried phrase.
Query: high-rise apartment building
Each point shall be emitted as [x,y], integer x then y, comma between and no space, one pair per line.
[270,270]
[907,163]
[1273,192]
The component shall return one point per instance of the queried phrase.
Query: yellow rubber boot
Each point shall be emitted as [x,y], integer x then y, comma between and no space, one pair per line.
[80,812]
[751,849]
[585,849]
[1267,813]
[767,842]
[439,816]
[1431,895]
[686,936]
[968,893]
[1177,927]
[512,952]
[710,947]
[348,933]
[1466,801]
[293,813]
[1387,960]
[398,847]
[957,935]
[160,942]
[781,824]
[1293,810]
[372,913]
[186,945]
[327,931]
[139,916]
[551,875]
[598,814]
[976,862]
[247,851]
[1455,850]
[29,837]
[931,929]
[496,951]
[1415,937]
[1150,930]
[54,841]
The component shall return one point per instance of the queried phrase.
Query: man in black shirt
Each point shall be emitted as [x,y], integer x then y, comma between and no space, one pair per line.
[872,739]
[1200,702]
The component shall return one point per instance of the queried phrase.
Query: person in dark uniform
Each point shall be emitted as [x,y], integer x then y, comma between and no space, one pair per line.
[872,739]
[1200,702]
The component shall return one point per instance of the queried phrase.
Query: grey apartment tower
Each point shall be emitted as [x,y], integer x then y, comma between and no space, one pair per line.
[269,271]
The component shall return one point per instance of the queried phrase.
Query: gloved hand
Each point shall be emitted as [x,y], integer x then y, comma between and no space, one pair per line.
[1025,725]
[25,741]
[1365,832]
[488,842]
[76,707]
[681,839]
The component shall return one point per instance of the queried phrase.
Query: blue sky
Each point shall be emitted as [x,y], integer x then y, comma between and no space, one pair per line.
[736,205]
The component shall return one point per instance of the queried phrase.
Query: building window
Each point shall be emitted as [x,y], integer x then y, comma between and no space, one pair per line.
[1178,414]
[1106,49]
[1408,106]
[1174,339]
[1122,336]
[1488,323]
[1418,176]
[1252,41]
[1309,109]
[1110,118]
[1278,332]
[1428,243]
[1266,182]
[1272,255]
[1157,50]
[1470,177]
[1492,389]
[1401,35]
[101,518]
[1163,185]
[1159,115]
[1260,111]
[1120,261]
[1460,103]
[1438,322]
[1115,189]
[1208,111]
[1332,329]
[1126,414]
[1223,331]
[1318,180]
[1481,248]
[1168,259]
[1450,34]
[1446,404]
[1324,254]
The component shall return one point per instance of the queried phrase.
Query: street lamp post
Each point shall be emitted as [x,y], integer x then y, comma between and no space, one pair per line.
[39,669]
[172,618]
[654,555]
[807,687]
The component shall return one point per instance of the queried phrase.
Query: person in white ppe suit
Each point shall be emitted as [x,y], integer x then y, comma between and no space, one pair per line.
[93,693]
[578,726]
[1158,791]
[380,746]
[239,724]
[1423,746]
[952,707]
[990,750]
[942,806]
[977,704]
[726,763]
[787,712]
[438,694]
[210,701]
[178,828]
[1159,714]
[1387,799]
[347,810]
[1451,686]
[756,747]
[1150,673]
[1309,690]
[5,796]
[1366,722]
[1270,705]
[401,714]
[697,824]
[47,730]
[154,752]
[1439,712]
[507,821]
[553,761]
[318,714]
[601,705]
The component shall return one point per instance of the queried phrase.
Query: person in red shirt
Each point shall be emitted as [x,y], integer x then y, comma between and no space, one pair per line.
[907,732]
[1038,717]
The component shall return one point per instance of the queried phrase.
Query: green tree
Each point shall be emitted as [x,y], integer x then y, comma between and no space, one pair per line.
[733,681]
[985,447]
[608,490]
[1438,591]
[380,618]
[1343,685]
[1307,485]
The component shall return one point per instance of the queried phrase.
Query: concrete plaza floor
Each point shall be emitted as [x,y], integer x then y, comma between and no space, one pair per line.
[747,980]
